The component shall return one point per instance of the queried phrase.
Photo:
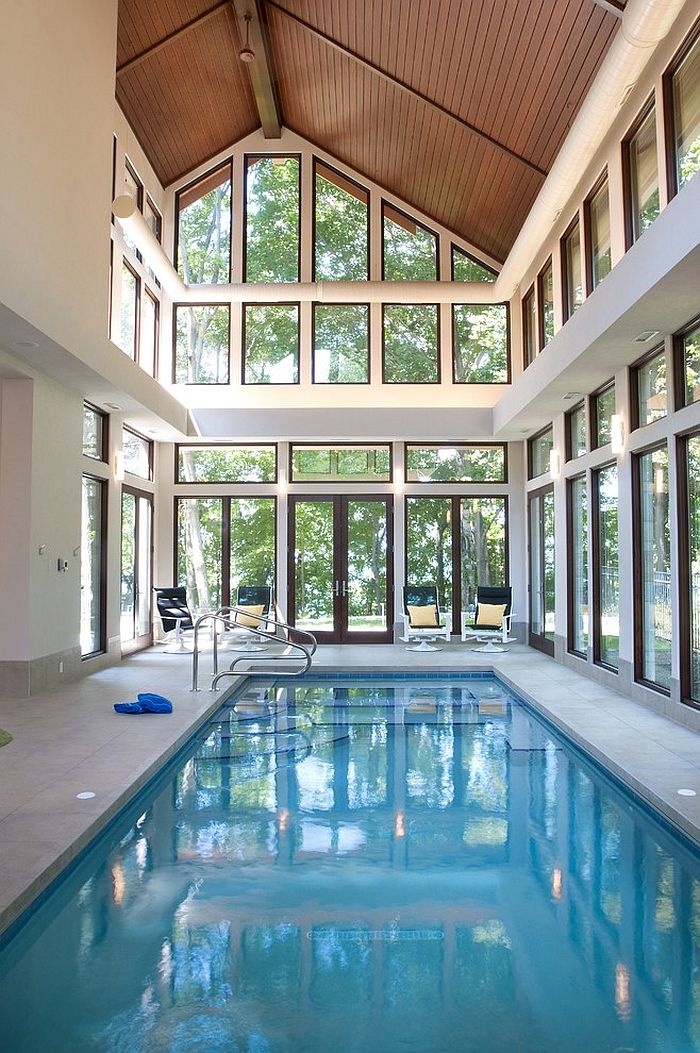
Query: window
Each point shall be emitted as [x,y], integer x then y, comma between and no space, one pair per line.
[94,433]
[199,550]
[688,371]
[203,212]
[129,318]
[148,333]
[689,563]
[138,454]
[542,568]
[272,218]
[529,327]
[153,219]
[682,96]
[466,268]
[226,464]
[271,343]
[641,177]
[443,463]
[92,567]
[602,410]
[411,342]
[597,216]
[134,188]
[341,344]
[539,448]
[340,464]
[649,392]
[545,301]
[572,285]
[201,343]
[576,440]
[652,555]
[410,250]
[481,344]
[578,566]
[606,568]
[341,227]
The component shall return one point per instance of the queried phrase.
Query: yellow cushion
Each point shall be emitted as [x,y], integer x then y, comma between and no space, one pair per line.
[245,619]
[490,615]
[423,617]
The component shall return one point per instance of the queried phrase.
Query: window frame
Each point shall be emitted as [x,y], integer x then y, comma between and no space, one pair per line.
[450,446]
[193,383]
[678,359]
[593,443]
[315,163]
[292,446]
[137,308]
[224,446]
[463,252]
[530,441]
[291,155]
[104,528]
[542,342]
[658,351]
[227,163]
[156,335]
[570,612]
[151,447]
[438,347]
[594,603]
[627,196]
[529,353]
[683,566]
[244,357]
[384,204]
[568,310]
[601,181]
[669,116]
[453,328]
[344,383]
[582,404]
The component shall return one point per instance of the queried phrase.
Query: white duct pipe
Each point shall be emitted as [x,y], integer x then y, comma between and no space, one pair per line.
[644,24]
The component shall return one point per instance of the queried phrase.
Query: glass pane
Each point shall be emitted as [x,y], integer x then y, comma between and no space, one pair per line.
[429,546]
[572,264]
[226,464]
[201,345]
[609,599]
[465,269]
[93,424]
[341,228]
[599,206]
[367,556]
[91,567]
[411,344]
[578,496]
[127,326]
[199,525]
[272,219]
[271,344]
[480,343]
[605,408]
[338,464]
[691,366]
[204,229]
[134,188]
[536,581]
[530,327]
[455,464]
[137,454]
[644,177]
[313,565]
[128,572]
[341,344]
[686,116]
[578,441]
[252,541]
[143,577]
[651,390]
[655,558]
[693,458]
[153,219]
[547,302]
[410,251]
[149,334]
[483,545]
[549,563]
[540,449]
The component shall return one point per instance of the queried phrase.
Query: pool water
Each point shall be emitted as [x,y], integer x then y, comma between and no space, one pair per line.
[370,865]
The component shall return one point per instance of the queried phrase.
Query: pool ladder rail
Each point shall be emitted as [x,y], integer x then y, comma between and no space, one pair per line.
[224,619]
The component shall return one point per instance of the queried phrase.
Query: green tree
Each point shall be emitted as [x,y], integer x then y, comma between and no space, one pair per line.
[480,343]
[272,219]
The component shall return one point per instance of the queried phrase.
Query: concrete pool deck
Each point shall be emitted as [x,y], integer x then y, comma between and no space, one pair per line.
[70,740]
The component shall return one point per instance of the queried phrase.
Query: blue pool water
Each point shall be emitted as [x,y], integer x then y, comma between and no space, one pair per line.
[381,865]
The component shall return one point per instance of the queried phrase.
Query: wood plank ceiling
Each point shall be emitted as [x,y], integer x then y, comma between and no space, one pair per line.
[457,106]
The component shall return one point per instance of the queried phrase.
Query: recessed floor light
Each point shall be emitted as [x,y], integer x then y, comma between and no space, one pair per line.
[685,792]
[84,795]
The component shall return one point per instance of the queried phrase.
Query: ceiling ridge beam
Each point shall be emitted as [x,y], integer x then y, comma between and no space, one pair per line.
[260,73]
[349,53]
[153,49]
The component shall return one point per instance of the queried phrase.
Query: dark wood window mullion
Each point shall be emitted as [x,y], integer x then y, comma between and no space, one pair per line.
[456,564]
[226,552]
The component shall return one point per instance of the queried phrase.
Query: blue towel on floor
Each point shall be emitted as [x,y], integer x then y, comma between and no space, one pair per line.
[147,703]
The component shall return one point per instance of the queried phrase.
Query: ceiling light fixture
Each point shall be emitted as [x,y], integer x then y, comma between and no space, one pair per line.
[648,334]
[246,54]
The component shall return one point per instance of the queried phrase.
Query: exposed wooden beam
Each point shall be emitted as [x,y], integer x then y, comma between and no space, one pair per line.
[260,68]
[175,35]
[387,77]
[613,7]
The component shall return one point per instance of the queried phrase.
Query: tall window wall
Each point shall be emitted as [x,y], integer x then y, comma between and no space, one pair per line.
[606,566]
[652,554]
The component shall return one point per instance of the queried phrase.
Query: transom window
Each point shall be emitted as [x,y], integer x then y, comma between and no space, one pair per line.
[410,249]
[310,463]
[446,463]
[466,268]
[227,463]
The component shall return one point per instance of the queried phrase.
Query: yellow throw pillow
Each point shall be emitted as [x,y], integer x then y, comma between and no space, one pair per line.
[422,617]
[245,619]
[490,615]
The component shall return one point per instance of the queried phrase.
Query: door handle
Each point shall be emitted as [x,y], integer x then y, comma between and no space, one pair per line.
[336,588]
[345,588]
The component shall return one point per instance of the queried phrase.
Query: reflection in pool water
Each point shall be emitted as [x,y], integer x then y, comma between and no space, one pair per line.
[386,866]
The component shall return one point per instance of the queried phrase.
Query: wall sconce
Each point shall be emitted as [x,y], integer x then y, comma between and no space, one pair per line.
[617,433]
[398,481]
[554,464]
[119,466]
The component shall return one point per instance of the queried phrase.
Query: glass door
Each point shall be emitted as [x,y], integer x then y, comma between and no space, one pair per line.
[339,574]
[136,570]
[541,560]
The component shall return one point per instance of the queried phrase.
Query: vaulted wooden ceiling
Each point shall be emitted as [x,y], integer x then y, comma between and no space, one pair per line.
[457,106]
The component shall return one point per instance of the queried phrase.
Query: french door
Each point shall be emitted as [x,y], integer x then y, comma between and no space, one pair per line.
[541,559]
[136,622]
[340,569]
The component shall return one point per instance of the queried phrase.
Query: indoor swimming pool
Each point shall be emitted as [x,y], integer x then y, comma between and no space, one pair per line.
[387,864]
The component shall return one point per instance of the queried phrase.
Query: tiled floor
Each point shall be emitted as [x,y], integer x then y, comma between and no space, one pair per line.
[70,740]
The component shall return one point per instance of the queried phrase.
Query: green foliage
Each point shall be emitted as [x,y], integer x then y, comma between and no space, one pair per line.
[691,364]
[481,343]
[226,464]
[411,344]
[341,343]
[465,269]
[578,432]
[204,236]
[127,328]
[271,344]
[605,408]
[202,345]
[313,563]
[272,214]
[341,227]
[340,464]
[689,161]
[455,464]
[540,448]
[252,541]
[409,256]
